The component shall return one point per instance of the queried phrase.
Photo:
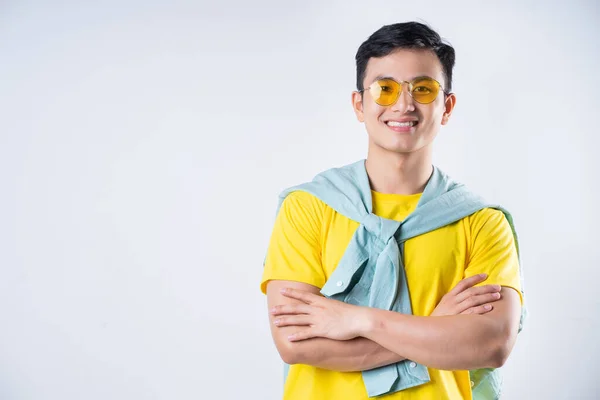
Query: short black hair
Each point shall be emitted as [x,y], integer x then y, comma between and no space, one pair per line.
[404,35]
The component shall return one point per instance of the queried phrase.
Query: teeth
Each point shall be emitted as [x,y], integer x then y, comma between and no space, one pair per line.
[404,124]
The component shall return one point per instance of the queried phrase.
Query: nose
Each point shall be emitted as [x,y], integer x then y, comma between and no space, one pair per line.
[405,102]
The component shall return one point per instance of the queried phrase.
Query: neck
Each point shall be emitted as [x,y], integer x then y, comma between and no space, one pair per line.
[398,173]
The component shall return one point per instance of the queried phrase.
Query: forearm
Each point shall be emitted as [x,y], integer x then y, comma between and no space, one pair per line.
[459,342]
[358,354]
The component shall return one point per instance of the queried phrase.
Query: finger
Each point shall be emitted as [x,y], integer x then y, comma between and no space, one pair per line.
[475,301]
[292,320]
[301,295]
[477,290]
[291,309]
[467,283]
[307,334]
[479,310]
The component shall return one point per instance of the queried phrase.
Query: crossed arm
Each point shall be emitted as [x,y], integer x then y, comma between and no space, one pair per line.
[464,332]
[357,354]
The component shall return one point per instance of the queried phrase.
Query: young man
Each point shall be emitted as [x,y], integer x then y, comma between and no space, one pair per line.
[367,295]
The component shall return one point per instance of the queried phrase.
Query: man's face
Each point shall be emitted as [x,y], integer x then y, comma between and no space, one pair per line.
[382,122]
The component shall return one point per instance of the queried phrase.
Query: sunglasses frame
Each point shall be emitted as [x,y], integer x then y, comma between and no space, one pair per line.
[401,84]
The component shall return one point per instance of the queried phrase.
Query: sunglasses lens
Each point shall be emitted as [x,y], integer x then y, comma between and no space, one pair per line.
[425,90]
[385,91]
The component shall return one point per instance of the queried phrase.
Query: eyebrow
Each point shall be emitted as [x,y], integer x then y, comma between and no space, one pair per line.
[379,77]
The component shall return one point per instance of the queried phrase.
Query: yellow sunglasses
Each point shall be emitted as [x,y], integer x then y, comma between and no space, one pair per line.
[386,91]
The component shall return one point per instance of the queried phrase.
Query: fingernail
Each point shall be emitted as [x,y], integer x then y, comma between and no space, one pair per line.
[283,290]
[497,295]
[483,275]
[277,321]
[487,307]
[273,311]
[291,337]
[497,287]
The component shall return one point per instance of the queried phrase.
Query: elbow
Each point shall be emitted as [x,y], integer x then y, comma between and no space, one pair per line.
[499,357]
[501,351]
[289,353]
[289,357]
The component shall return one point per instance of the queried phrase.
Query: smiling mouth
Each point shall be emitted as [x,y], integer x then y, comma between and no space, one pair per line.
[405,124]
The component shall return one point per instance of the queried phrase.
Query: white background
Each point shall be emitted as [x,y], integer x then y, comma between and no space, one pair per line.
[143,146]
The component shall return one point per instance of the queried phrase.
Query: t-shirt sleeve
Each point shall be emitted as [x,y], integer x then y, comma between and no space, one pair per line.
[294,251]
[493,250]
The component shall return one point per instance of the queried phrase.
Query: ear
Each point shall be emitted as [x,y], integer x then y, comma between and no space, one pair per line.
[357,105]
[448,107]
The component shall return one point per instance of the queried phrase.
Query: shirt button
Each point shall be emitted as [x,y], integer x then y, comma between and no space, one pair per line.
[339,283]
[413,364]
[472,383]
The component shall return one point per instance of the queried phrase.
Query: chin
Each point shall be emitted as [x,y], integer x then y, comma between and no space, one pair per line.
[402,148]
[403,145]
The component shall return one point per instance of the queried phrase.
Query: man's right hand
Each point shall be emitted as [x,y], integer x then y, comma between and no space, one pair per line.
[465,298]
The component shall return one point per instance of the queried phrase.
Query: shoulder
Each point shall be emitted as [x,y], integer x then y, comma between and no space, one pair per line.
[489,224]
[303,202]
[302,210]
[487,215]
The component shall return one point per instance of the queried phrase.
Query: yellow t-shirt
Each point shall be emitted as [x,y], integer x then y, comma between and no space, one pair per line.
[309,238]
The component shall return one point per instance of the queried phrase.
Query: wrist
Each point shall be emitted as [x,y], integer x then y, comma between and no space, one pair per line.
[365,320]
